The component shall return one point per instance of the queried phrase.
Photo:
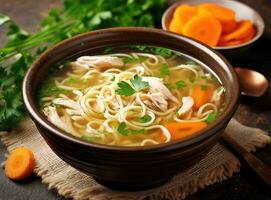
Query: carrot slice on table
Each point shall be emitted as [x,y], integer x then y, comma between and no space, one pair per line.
[20,164]
[223,14]
[183,14]
[179,130]
[201,95]
[204,28]
[244,29]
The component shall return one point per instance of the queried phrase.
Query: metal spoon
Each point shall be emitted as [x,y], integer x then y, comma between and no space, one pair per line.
[252,83]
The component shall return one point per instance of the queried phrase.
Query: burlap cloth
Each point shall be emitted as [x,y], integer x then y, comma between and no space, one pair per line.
[218,165]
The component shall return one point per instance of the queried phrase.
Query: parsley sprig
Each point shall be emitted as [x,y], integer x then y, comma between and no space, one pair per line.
[123,130]
[126,89]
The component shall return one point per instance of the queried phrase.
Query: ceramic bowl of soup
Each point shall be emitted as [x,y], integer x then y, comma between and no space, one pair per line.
[131,107]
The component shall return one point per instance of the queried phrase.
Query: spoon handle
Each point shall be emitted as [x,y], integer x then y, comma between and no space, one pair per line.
[258,166]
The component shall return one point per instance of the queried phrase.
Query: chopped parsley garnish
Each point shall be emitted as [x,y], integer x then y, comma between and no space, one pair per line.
[88,138]
[50,89]
[126,89]
[180,84]
[144,119]
[164,70]
[72,80]
[203,87]
[123,130]
[211,117]
[191,79]
[113,78]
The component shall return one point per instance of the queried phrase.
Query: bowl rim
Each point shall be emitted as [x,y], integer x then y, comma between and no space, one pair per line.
[260,30]
[201,135]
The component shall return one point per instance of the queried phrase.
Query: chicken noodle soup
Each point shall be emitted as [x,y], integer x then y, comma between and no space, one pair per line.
[132,99]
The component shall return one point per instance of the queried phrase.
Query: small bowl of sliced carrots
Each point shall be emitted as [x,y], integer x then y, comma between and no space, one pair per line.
[222,24]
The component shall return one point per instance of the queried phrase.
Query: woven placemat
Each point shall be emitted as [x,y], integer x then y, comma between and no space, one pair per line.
[218,165]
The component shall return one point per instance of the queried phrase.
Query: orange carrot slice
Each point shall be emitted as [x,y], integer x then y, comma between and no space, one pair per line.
[174,26]
[244,29]
[202,94]
[236,42]
[223,14]
[181,130]
[204,28]
[229,26]
[20,164]
[183,14]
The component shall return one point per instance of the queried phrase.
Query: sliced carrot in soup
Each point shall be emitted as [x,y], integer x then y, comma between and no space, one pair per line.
[202,95]
[180,130]
[204,28]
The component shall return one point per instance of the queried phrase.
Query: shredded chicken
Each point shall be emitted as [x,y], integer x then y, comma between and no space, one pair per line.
[63,123]
[159,101]
[159,93]
[188,103]
[99,62]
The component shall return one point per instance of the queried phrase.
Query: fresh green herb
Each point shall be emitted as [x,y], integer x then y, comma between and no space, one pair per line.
[144,119]
[125,89]
[88,138]
[72,80]
[164,70]
[203,87]
[113,78]
[191,79]
[138,83]
[123,130]
[74,17]
[180,84]
[166,53]
[211,117]
[204,77]
[155,50]
[50,89]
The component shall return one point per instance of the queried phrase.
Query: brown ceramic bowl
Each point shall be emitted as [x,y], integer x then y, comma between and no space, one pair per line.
[243,12]
[130,168]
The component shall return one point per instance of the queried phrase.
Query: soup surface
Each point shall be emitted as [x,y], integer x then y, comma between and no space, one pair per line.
[132,99]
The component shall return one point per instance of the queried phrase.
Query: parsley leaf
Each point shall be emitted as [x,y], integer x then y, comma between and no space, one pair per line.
[87,138]
[138,83]
[123,130]
[144,119]
[211,117]
[125,89]
[164,70]
[180,84]
[203,87]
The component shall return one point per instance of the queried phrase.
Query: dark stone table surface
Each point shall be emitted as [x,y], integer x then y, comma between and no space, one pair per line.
[254,112]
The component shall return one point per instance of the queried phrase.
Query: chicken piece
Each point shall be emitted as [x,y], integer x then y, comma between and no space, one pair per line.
[99,62]
[188,103]
[159,101]
[63,123]
[157,86]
